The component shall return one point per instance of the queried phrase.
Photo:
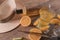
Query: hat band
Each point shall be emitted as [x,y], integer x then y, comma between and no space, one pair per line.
[8,18]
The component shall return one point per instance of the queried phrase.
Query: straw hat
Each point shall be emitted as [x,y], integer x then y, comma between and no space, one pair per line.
[8,19]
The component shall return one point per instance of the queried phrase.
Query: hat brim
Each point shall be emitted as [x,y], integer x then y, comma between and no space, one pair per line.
[8,26]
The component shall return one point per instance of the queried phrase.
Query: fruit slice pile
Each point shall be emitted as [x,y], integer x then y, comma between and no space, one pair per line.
[34,36]
[46,14]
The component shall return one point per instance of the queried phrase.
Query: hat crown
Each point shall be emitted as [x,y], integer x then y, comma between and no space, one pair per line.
[6,8]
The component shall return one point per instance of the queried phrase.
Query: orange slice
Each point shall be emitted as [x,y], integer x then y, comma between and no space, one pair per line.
[44,28]
[55,21]
[41,21]
[25,21]
[46,14]
[35,36]
[58,16]
[35,30]
[42,25]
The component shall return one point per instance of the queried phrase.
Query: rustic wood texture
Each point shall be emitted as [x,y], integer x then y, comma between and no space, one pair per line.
[29,3]
[16,32]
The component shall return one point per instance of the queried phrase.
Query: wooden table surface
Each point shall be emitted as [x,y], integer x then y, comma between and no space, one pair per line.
[16,32]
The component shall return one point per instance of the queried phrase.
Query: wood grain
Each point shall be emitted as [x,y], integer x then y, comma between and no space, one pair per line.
[16,33]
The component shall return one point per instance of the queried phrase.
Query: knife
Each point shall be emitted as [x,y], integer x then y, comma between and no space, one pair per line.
[51,29]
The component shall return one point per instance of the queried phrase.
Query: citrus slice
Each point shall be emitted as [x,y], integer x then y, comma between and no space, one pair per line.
[58,16]
[35,36]
[39,20]
[25,21]
[46,14]
[55,21]
[44,28]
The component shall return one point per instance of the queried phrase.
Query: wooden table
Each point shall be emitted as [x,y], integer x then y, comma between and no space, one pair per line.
[16,32]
